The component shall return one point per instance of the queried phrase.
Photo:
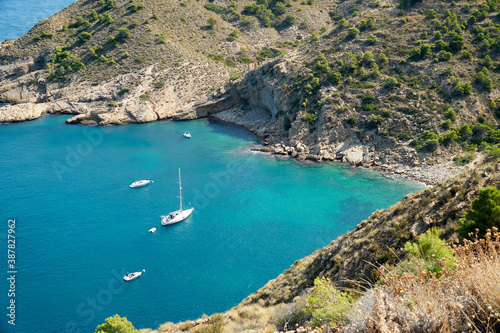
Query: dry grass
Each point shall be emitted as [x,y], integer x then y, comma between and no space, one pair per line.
[465,299]
[249,317]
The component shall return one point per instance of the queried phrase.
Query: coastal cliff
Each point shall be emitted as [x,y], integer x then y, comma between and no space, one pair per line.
[406,87]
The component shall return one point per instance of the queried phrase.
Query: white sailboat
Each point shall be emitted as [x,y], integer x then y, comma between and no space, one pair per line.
[178,215]
[140,183]
[133,276]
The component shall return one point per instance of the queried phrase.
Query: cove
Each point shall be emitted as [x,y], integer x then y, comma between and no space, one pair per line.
[80,228]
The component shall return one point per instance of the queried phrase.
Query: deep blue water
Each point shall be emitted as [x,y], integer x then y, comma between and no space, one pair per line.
[19,16]
[80,228]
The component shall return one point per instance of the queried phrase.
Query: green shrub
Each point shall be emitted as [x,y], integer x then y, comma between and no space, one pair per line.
[159,85]
[335,78]
[485,213]
[374,121]
[415,53]
[84,36]
[322,64]
[123,35]
[235,76]
[352,120]
[230,63]
[444,55]
[371,39]
[66,64]
[352,33]
[314,37]
[144,97]
[213,7]
[391,83]
[116,324]
[211,22]
[483,78]
[326,304]
[457,42]
[123,91]
[95,16]
[108,4]
[111,103]
[106,18]
[463,159]
[44,35]
[446,124]
[289,20]
[245,60]
[450,114]
[310,118]
[429,252]
[460,88]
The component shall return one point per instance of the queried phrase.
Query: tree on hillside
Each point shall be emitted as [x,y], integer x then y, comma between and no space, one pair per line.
[116,324]
[484,215]
[212,22]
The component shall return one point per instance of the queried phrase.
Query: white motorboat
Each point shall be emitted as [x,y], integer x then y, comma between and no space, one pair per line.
[133,276]
[178,215]
[152,230]
[187,135]
[140,183]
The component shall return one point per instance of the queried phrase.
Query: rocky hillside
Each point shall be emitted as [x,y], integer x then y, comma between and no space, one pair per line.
[125,61]
[387,88]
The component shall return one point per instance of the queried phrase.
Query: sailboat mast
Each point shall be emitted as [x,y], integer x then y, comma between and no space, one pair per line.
[180,190]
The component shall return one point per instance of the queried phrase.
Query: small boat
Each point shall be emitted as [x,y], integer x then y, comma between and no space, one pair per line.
[133,276]
[152,230]
[140,183]
[178,215]
[187,135]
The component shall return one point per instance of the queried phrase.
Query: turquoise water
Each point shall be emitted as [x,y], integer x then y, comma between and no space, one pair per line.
[19,16]
[80,228]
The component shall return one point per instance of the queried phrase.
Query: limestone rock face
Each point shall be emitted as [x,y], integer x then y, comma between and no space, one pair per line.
[21,112]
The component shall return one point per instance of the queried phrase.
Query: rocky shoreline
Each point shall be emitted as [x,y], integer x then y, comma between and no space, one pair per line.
[426,174]
[405,163]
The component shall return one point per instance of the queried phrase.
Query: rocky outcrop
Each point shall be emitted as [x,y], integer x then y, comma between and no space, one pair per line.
[22,112]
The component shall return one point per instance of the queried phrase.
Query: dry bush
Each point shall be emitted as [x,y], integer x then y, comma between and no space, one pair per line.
[244,318]
[464,299]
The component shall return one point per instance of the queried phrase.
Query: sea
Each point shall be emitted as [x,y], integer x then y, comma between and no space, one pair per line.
[71,227]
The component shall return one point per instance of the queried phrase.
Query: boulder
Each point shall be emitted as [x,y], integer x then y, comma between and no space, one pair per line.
[316,149]
[354,155]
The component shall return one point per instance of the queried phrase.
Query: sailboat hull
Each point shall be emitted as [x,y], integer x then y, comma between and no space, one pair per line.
[176,217]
